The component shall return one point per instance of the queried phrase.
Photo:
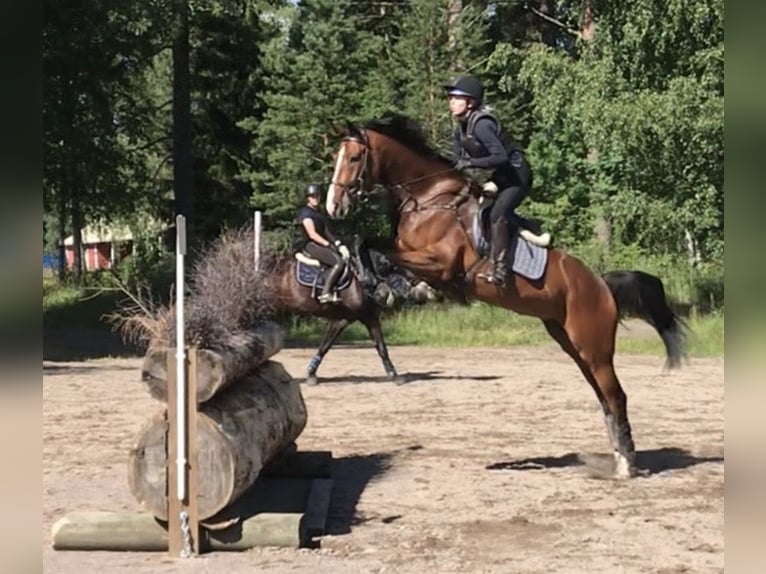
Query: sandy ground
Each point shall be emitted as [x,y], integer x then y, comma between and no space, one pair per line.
[487,461]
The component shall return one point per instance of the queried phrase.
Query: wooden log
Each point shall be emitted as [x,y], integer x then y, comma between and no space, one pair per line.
[143,532]
[218,368]
[238,432]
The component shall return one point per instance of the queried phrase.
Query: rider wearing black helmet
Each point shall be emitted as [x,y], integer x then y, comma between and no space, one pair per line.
[479,142]
[318,241]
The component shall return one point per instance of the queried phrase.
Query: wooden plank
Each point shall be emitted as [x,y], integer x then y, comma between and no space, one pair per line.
[318,505]
[176,536]
[175,539]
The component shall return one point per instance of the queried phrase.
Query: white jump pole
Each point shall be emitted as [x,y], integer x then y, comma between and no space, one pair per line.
[180,360]
[257,239]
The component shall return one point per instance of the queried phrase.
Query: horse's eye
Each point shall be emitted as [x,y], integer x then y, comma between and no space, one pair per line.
[355,158]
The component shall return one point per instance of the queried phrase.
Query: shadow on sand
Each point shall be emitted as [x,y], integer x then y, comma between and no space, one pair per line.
[406,378]
[352,474]
[648,462]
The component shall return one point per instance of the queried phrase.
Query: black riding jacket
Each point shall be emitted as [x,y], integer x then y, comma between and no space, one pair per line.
[481,140]
[320,224]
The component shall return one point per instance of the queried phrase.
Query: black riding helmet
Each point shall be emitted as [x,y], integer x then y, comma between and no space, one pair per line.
[466,86]
[313,189]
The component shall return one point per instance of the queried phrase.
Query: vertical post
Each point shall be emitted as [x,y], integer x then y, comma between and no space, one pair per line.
[257,239]
[183,518]
[183,524]
[180,358]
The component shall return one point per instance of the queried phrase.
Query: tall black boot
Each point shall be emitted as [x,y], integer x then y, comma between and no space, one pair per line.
[328,295]
[498,251]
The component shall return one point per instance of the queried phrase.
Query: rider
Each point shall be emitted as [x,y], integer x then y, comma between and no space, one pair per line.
[318,241]
[479,142]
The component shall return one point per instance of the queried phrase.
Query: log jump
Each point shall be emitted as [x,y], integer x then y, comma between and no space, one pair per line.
[197,467]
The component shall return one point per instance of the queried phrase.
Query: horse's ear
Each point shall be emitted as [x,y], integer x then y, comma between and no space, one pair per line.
[338,130]
[354,131]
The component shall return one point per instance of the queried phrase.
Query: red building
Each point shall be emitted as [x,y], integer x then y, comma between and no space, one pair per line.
[102,247]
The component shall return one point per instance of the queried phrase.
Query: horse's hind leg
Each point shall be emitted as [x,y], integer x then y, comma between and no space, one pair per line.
[371,320]
[334,328]
[593,352]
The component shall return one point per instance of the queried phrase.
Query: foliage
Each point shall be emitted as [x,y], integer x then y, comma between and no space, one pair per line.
[623,128]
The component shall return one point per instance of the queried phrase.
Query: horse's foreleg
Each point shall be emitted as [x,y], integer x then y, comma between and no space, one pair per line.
[593,354]
[334,328]
[371,320]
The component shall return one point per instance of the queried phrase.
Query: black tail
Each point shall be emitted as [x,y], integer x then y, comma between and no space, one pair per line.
[642,295]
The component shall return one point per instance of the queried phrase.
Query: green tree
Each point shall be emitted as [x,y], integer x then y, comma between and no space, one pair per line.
[316,72]
[93,119]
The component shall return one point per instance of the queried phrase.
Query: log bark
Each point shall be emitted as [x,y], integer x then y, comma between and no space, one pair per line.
[143,532]
[238,432]
[217,369]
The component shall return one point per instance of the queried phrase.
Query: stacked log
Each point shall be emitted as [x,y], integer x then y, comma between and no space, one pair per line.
[217,369]
[239,431]
[250,410]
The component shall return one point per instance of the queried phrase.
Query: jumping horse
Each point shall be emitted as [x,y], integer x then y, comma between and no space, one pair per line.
[436,237]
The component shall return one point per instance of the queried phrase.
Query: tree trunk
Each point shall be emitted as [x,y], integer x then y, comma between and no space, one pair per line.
[238,432]
[454,7]
[62,265]
[588,23]
[217,369]
[182,137]
[78,267]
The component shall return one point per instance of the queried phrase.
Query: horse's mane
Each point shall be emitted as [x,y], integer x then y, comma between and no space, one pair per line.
[406,131]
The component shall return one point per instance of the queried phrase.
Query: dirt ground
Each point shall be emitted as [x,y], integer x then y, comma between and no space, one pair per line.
[486,461]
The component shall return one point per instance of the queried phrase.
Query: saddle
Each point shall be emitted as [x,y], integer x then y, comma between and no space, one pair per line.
[529,229]
[527,246]
[311,273]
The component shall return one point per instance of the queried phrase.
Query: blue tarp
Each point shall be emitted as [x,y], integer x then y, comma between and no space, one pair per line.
[50,261]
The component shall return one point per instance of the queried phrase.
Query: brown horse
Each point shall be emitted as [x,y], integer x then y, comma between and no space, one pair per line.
[359,301]
[435,212]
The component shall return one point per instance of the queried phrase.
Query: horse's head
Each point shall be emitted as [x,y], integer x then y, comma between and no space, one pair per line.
[351,177]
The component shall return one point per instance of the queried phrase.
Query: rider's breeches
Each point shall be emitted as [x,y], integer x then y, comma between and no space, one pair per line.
[507,200]
[326,255]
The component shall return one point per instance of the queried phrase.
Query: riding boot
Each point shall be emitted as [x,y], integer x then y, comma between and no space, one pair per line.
[498,251]
[328,294]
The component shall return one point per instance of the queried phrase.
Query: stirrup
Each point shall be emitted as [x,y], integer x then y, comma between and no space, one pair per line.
[328,298]
[540,240]
[494,278]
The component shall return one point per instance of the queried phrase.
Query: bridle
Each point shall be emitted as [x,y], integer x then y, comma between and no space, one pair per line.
[356,187]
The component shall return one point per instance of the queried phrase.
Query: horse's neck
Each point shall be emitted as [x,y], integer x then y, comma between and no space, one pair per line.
[420,178]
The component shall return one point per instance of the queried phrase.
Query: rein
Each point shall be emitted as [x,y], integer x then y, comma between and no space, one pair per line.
[403,187]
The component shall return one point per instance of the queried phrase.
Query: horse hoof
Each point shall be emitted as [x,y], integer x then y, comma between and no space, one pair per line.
[398,379]
[624,468]
[312,380]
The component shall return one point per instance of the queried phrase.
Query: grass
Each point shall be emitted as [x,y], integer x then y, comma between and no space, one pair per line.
[480,325]
[439,325]
[705,338]
[67,306]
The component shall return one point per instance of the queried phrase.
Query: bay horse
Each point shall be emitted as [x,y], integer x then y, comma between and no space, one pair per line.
[433,221]
[363,296]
